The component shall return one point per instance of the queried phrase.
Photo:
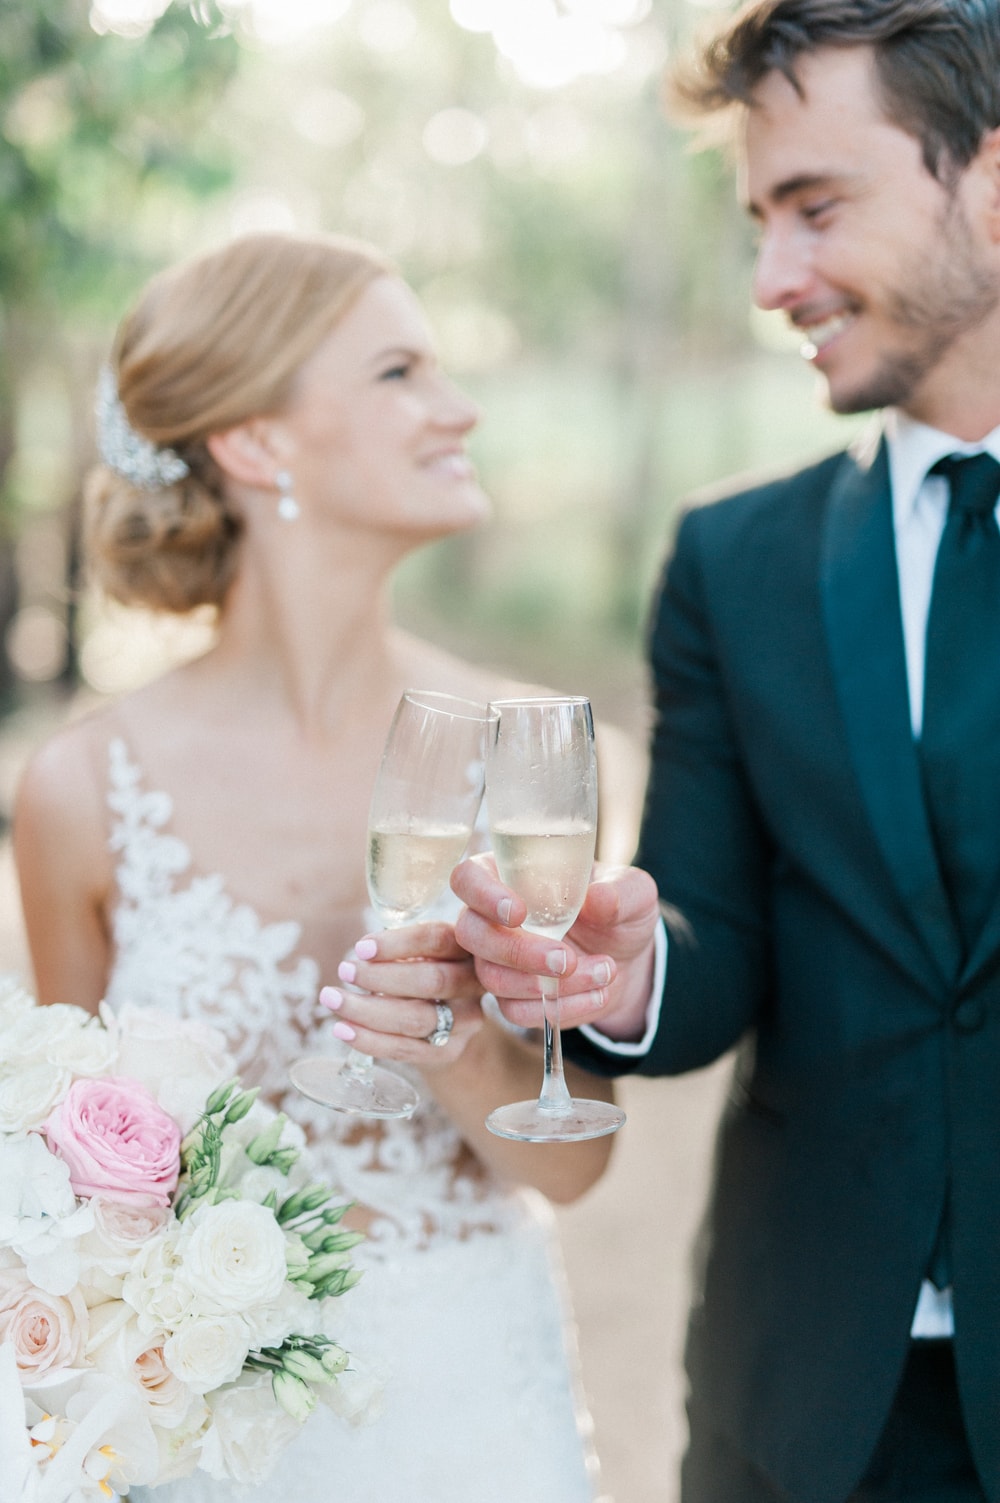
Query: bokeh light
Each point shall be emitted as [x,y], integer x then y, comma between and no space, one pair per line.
[455,136]
[550,44]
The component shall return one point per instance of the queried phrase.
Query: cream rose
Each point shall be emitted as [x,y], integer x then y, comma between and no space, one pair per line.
[120,1231]
[118,1346]
[47,1331]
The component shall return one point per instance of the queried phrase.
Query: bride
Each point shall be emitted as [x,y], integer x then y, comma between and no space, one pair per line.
[276,435]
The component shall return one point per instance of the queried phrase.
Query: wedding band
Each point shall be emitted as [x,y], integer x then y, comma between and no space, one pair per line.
[445,1023]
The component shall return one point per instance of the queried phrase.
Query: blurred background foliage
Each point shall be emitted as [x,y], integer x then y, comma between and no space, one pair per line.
[586,273]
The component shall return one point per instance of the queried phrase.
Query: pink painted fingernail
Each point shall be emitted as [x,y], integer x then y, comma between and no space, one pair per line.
[330,997]
[365,949]
[602,974]
[347,970]
[555,962]
[342,1030]
[504,910]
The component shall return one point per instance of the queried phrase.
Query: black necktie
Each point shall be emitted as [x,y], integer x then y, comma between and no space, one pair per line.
[960,739]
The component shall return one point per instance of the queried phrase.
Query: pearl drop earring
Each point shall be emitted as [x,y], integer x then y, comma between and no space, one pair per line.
[288,507]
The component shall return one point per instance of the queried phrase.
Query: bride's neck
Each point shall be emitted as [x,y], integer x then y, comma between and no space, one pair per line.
[303,639]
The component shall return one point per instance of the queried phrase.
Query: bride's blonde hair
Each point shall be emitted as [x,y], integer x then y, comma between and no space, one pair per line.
[209,344]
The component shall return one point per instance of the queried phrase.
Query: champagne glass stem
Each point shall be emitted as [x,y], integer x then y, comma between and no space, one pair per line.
[554,1096]
[358,1066]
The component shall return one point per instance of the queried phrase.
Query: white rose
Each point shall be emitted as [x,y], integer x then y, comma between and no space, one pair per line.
[181,1062]
[258,1182]
[292,1311]
[240,1172]
[91,1048]
[32,1035]
[234,1255]
[156,1285]
[29,1093]
[257,1120]
[180,1448]
[207,1351]
[249,1431]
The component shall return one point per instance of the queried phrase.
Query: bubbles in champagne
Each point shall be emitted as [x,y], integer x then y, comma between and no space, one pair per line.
[409,864]
[549,869]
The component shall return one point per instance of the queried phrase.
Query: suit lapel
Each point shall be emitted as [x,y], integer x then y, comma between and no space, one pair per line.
[860,594]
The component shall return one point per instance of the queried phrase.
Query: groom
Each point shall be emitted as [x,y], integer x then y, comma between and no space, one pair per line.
[823,817]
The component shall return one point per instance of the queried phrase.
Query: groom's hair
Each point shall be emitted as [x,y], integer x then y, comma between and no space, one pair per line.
[937,63]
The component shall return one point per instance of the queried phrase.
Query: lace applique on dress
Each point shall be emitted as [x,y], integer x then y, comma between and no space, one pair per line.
[184,945]
[465,1313]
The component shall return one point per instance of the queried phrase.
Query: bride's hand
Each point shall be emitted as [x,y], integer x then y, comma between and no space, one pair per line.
[392,983]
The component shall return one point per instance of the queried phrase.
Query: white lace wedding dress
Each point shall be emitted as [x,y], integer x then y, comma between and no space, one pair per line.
[462,1309]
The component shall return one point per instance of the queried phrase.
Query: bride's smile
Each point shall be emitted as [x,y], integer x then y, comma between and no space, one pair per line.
[374,431]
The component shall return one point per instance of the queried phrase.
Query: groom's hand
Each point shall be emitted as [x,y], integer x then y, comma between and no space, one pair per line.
[604,964]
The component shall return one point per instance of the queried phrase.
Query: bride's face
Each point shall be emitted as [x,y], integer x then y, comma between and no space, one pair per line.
[376,431]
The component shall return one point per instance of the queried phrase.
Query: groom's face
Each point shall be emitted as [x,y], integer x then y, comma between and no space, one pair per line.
[881,268]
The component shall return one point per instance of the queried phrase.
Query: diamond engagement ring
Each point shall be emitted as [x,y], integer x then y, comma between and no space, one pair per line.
[445,1023]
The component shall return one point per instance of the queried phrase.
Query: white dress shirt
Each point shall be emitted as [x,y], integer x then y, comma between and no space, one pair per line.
[919,509]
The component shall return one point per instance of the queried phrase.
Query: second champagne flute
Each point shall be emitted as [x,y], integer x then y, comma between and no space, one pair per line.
[423,811]
[541,797]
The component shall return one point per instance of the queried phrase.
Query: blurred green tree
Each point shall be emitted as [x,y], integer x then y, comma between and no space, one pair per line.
[101,137]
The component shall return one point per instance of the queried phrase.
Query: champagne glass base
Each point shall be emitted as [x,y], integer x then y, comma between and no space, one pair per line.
[375,1092]
[529,1122]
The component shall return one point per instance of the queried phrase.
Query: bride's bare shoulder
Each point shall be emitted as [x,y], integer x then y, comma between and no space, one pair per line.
[69,767]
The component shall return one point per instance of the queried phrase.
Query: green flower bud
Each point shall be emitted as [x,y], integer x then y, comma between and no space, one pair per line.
[294,1396]
[219,1098]
[321,1265]
[304,1365]
[334,1360]
[308,1199]
[338,1283]
[261,1148]
[244,1101]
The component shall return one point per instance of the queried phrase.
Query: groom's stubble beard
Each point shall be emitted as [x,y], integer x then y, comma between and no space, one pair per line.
[943,291]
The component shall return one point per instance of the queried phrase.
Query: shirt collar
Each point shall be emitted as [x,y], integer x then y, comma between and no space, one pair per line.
[913,448]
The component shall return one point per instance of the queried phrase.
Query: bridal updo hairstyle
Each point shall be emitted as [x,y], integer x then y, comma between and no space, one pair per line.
[209,344]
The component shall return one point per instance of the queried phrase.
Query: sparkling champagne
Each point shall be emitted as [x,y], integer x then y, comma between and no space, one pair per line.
[409,865]
[549,869]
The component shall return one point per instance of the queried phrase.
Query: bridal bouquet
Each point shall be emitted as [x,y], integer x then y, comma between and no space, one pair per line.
[168,1273]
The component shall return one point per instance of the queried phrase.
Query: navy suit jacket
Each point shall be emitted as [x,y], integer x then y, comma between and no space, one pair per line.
[785,821]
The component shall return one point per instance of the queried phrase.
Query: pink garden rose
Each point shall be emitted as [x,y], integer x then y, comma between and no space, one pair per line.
[117,1141]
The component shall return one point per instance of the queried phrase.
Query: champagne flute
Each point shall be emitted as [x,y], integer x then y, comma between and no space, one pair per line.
[423,810]
[541,797]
